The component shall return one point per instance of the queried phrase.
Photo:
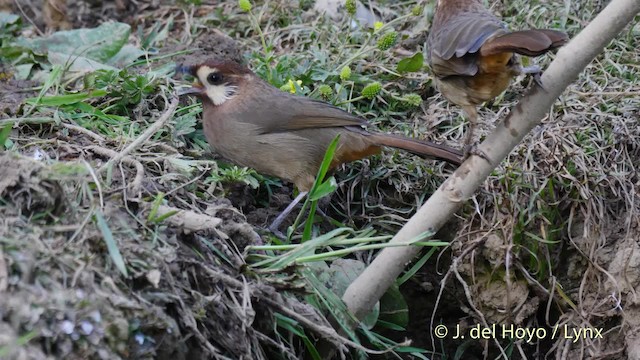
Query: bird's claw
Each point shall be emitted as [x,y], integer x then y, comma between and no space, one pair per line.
[473,149]
[279,234]
[538,79]
[536,71]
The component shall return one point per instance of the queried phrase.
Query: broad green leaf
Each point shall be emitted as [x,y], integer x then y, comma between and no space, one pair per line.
[126,56]
[99,44]
[411,64]
[23,71]
[8,19]
[394,308]
[77,63]
[339,276]
[103,47]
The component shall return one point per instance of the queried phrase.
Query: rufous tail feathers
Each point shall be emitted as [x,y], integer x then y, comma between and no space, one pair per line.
[420,148]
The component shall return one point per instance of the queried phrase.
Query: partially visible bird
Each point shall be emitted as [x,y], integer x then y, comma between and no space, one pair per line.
[254,124]
[474,57]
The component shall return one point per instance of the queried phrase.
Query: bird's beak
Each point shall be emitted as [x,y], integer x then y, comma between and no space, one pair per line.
[196,88]
[186,69]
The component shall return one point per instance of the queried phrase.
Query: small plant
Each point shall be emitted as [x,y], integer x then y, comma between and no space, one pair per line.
[233,174]
[245,5]
[126,88]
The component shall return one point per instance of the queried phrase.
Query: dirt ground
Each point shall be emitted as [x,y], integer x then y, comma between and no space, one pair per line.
[91,269]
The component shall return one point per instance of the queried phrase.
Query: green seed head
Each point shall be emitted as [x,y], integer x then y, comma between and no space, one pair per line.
[370,91]
[325,91]
[387,41]
[345,74]
[350,6]
[417,10]
[245,5]
[412,99]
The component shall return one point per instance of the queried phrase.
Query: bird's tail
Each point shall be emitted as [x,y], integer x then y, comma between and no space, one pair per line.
[532,42]
[420,148]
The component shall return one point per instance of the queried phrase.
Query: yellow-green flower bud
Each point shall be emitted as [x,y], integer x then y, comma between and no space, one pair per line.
[378,25]
[350,6]
[387,40]
[290,87]
[370,91]
[325,91]
[412,99]
[345,74]
[417,10]
[245,5]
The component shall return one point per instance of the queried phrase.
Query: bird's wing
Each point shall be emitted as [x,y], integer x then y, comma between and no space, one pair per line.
[458,36]
[531,42]
[303,113]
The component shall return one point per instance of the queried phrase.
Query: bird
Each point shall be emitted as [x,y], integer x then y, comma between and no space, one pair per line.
[254,124]
[474,57]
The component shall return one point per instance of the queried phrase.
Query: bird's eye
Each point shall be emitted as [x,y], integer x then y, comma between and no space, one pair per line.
[215,78]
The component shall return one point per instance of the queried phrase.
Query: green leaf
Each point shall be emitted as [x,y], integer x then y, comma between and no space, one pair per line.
[394,308]
[339,276]
[293,327]
[324,189]
[417,266]
[154,207]
[94,48]
[319,189]
[100,43]
[4,136]
[23,71]
[411,64]
[59,100]
[112,246]
[77,63]
[8,19]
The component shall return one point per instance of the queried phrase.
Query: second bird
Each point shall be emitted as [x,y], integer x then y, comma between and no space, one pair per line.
[254,124]
[474,57]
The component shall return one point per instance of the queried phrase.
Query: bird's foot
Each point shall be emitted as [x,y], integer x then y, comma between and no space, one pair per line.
[538,79]
[273,228]
[472,149]
[536,71]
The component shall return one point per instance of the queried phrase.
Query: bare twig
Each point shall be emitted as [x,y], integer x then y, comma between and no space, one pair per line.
[129,160]
[144,136]
[186,219]
[85,131]
[367,289]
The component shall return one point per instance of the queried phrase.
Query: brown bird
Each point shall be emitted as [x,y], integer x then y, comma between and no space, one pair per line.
[254,124]
[474,57]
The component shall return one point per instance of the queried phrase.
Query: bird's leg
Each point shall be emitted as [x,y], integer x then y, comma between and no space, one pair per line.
[472,114]
[471,146]
[275,225]
[534,70]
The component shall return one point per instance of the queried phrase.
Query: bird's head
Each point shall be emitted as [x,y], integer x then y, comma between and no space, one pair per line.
[216,81]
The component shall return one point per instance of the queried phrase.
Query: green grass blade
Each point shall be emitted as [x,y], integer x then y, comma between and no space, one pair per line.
[112,246]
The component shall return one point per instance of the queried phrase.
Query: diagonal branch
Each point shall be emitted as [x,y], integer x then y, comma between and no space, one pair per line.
[367,289]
